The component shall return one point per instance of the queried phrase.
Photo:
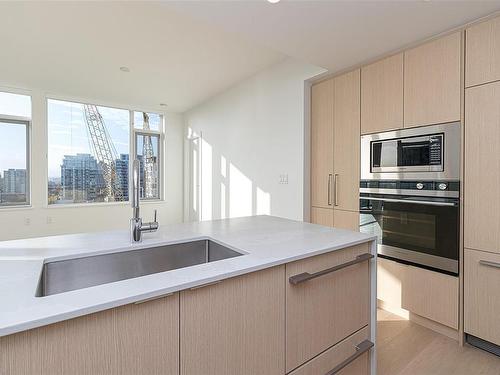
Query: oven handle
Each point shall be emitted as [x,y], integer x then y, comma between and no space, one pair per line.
[430,203]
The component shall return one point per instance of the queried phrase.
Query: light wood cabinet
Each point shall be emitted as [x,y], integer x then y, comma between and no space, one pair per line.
[482,53]
[432,295]
[346,141]
[336,355]
[236,326]
[346,220]
[482,167]
[322,216]
[432,82]
[133,339]
[325,310]
[382,95]
[322,144]
[481,295]
[429,294]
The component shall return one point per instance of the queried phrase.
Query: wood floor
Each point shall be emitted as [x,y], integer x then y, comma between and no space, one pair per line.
[406,348]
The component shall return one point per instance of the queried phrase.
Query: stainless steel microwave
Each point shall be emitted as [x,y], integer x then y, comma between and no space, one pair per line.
[424,153]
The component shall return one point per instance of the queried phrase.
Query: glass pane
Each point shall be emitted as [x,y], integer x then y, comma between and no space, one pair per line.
[14,189]
[147,121]
[88,153]
[15,105]
[147,153]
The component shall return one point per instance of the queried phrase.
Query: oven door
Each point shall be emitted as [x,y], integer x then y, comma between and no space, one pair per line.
[417,230]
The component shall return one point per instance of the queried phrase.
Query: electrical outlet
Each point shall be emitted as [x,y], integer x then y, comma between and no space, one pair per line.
[50,220]
[27,221]
[283,178]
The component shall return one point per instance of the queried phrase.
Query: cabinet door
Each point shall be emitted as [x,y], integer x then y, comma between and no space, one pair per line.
[322,144]
[382,95]
[346,220]
[347,141]
[482,167]
[235,327]
[325,310]
[432,82]
[133,339]
[322,216]
[481,295]
[482,53]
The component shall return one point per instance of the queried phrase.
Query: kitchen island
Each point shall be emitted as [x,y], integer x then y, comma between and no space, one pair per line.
[298,298]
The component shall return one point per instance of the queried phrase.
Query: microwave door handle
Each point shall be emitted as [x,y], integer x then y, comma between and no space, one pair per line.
[429,203]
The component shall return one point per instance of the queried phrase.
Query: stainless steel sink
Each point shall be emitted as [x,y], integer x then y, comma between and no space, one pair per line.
[71,274]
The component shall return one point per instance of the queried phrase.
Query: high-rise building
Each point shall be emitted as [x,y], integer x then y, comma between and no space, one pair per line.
[81,178]
[14,181]
[122,174]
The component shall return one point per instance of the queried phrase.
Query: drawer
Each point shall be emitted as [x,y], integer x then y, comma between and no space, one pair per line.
[352,352]
[481,295]
[322,311]
[432,295]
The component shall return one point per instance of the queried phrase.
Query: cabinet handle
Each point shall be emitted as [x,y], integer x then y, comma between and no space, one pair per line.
[489,264]
[306,276]
[153,298]
[335,190]
[204,285]
[330,189]
[361,349]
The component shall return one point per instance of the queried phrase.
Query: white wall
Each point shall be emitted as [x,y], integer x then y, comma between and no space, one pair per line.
[41,220]
[253,133]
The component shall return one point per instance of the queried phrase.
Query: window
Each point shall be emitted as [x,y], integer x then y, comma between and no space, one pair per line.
[147,151]
[89,151]
[15,117]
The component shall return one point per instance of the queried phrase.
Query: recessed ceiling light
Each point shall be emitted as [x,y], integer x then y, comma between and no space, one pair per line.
[125,69]
[274,1]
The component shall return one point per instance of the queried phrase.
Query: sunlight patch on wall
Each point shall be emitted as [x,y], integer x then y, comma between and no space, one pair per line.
[263,202]
[240,193]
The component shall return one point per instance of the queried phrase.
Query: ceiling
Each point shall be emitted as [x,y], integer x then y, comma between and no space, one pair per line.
[76,49]
[336,34]
[183,52]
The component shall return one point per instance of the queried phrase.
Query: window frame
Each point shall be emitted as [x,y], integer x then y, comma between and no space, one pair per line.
[132,150]
[153,133]
[26,121]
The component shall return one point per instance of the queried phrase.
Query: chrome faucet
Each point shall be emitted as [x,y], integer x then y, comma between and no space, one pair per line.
[136,225]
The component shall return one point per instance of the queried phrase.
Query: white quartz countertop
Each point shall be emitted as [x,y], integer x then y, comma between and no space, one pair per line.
[266,241]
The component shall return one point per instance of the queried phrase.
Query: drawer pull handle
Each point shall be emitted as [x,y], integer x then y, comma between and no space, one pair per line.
[205,285]
[489,264]
[306,276]
[153,298]
[360,350]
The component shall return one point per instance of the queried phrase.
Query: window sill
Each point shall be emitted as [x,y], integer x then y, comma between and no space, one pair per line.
[100,204]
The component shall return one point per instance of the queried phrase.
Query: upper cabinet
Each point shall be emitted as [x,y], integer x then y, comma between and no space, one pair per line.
[482,53]
[322,144]
[346,142]
[432,82]
[382,95]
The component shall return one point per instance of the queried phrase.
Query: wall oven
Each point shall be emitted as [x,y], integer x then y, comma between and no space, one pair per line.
[416,220]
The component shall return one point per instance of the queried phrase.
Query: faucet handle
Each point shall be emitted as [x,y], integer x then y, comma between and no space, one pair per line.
[154,220]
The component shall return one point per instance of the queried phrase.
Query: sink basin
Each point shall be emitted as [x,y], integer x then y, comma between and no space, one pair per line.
[71,274]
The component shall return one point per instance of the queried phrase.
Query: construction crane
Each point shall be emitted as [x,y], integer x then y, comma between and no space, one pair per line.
[148,162]
[104,151]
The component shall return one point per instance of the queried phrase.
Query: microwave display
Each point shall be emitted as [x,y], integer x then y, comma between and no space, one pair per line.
[421,153]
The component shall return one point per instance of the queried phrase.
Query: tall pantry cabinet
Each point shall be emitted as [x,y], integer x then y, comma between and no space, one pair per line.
[482,178]
[335,135]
